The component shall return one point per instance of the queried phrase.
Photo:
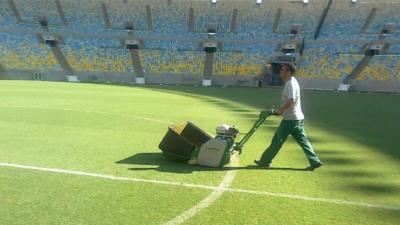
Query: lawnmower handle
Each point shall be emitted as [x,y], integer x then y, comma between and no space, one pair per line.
[265,114]
[261,118]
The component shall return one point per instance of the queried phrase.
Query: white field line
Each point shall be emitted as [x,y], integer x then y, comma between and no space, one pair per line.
[89,111]
[208,187]
[109,177]
[317,199]
[210,199]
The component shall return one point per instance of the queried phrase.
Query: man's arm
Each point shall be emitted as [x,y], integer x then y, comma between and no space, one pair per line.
[288,105]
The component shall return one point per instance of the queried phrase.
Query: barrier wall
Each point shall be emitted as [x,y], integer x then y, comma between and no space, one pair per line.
[392,86]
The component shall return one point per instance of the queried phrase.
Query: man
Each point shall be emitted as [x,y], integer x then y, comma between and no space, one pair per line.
[292,122]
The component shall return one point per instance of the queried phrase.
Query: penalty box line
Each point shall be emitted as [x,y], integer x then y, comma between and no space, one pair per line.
[208,187]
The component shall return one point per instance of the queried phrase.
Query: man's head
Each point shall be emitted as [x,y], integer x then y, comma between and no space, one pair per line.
[287,71]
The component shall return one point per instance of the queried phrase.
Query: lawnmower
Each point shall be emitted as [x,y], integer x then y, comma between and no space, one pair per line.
[185,141]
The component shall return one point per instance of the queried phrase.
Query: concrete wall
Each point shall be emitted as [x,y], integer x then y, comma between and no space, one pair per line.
[244,81]
[35,75]
[197,80]
[173,79]
[325,84]
[357,85]
[376,86]
[3,75]
[104,77]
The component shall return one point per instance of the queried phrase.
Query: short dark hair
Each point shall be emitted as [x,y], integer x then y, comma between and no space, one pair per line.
[291,67]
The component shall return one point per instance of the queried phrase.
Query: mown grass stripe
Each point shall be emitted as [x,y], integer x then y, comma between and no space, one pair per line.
[91,111]
[209,187]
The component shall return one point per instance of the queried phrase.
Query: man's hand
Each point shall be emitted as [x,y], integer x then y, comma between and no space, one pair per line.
[264,114]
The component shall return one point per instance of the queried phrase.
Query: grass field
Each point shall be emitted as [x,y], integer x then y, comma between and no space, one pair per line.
[106,130]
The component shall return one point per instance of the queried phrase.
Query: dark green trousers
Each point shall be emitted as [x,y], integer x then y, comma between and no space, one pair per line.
[286,128]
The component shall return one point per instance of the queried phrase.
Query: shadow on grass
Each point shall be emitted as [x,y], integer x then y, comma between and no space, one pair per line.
[377,189]
[329,152]
[341,161]
[275,168]
[174,166]
[346,114]
[314,139]
[355,174]
[251,116]
[371,120]
[157,159]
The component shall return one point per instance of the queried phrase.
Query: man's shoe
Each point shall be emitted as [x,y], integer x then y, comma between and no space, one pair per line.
[260,164]
[315,166]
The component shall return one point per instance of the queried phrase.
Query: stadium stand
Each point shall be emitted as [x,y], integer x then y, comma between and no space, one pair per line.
[24,53]
[170,61]
[240,59]
[123,11]
[257,20]
[30,10]
[397,71]
[170,19]
[395,49]
[381,68]
[83,16]
[387,12]
[330,61]
[345,20]
[6,19]
[97,55]
[306,14]
[172,45]
[220,14]
[238,63]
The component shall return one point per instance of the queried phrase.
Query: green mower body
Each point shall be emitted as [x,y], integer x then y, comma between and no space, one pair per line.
[185,141]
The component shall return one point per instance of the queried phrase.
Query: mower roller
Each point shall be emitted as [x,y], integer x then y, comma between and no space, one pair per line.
[185,141]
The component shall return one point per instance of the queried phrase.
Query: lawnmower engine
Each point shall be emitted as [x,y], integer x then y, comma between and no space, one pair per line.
[217,151]
[185,141]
